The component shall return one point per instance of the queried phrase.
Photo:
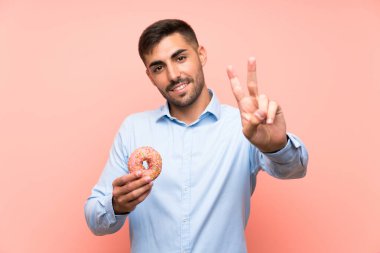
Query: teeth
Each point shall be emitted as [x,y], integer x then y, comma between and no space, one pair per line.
[180,87]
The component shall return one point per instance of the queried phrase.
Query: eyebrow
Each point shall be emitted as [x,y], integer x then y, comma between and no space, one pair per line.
[174,55]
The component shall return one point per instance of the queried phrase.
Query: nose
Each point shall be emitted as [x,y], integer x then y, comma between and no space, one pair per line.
[173,72]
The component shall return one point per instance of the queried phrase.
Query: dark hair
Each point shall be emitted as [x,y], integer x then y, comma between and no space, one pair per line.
[154,33]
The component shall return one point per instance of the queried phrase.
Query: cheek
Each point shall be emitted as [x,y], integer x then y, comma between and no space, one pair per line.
[189,69]
[160,81]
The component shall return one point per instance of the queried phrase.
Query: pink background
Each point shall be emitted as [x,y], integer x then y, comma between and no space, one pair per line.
[70,73]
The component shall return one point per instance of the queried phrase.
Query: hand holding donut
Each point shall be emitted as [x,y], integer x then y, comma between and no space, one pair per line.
[130,190]
[262,119]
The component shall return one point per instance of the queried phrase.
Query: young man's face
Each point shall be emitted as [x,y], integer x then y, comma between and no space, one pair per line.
[175,68]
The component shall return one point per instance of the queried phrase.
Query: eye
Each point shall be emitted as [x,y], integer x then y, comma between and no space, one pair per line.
[157,69]
[181,58]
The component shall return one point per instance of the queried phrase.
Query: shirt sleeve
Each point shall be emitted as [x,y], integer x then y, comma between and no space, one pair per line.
[99,213]
[288,163]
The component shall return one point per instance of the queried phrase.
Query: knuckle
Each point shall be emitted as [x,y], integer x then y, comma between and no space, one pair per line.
[118,200]
[125,179]
[115,192]
[122,180]
[273,103]
[115,182]
[141,198]
[134,195]
[148,186]
[263,96]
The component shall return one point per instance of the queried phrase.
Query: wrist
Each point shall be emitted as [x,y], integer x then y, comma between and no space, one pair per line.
[276,148]
[117,209]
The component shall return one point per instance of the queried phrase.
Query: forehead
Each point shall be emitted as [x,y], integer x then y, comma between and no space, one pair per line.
[166,47]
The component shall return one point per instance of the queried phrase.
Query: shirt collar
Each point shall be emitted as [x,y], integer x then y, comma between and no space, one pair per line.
[212,108]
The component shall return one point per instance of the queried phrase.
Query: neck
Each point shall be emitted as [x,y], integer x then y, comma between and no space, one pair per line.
[192,112]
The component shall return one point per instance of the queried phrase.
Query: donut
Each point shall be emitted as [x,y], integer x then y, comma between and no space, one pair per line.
[152,158]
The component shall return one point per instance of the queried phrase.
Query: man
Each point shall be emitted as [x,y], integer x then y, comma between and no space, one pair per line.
[211,154]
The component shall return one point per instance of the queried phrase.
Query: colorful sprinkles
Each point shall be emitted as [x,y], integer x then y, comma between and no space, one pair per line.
[152,158]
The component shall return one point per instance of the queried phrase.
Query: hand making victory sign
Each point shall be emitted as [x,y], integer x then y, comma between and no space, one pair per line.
[262,119]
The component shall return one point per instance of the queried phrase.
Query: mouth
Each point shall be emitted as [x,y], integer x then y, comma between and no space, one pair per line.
[180,86]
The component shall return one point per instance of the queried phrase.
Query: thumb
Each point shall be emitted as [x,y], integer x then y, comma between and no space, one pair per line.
[253,120]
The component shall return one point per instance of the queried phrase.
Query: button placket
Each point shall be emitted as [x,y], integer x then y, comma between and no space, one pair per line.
[185,204]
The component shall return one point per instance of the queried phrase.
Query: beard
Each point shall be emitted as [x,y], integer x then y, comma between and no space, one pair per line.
[188,98]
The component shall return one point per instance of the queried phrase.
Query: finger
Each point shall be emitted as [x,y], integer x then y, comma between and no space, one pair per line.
[133,185]
[252,78]
[129,205]
[254,120]
[137,193]
[259,117]
[272,110]
[237,89]
[263,102]
[120,181]
[139,199]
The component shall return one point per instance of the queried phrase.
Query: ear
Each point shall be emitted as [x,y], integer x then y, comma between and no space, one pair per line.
[202,55]
[150,77]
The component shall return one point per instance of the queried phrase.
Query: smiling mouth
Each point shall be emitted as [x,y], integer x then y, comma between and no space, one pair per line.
[180,86]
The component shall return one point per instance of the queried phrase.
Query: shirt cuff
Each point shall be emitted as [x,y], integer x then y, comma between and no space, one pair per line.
[283,155]
[111,216]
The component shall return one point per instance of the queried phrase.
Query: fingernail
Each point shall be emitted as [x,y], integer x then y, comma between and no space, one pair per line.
[260,114]
[246,116]
[138,173]
[147,179]
[251,59]
[269,121]
[230,72]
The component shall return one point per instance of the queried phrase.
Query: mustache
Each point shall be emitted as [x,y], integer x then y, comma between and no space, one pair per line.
[175,82]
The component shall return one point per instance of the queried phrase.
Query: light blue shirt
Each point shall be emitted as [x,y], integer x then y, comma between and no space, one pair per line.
[201,200]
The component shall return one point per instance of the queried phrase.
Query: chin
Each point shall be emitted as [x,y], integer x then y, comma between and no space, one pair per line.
[184,102]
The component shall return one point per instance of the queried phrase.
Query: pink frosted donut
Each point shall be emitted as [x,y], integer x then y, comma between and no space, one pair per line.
[152,158]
